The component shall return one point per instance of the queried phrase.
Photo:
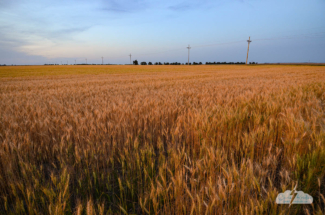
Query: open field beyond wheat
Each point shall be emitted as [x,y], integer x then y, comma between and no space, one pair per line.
[161,139]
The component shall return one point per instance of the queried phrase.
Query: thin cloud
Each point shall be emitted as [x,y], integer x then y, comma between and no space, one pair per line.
[9,56]
[18,39]
[6,3]
[180,7]
[115,10]
[63,33]
[124,6]
[194,4]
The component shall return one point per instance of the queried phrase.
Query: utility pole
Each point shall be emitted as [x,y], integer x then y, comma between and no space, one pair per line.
[102,60]
[249,41]
[130,58]
[188,54]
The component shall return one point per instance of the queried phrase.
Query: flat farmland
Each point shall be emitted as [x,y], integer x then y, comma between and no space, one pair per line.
[165,139]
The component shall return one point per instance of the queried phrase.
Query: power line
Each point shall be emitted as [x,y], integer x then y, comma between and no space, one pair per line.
[240,41]
[296,36]
[161,52]
[217,44]
[318,35]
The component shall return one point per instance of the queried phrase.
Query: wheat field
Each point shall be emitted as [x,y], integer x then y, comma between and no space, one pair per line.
[161,139]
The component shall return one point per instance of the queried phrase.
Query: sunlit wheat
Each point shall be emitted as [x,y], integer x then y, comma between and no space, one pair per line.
[161,139]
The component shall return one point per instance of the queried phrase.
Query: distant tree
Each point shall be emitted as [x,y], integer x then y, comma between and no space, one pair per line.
[160,63]
[135,62]
[200,63]
[149,63]
[143,63]
[156,63]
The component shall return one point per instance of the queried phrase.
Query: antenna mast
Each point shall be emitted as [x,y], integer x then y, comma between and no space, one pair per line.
[188,59]
[249,41]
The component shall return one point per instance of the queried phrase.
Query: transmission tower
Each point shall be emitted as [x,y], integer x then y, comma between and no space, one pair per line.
[188,59]
[249,41]
[130,58]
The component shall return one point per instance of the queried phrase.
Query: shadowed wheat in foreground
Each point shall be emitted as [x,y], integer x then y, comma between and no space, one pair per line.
[161,139]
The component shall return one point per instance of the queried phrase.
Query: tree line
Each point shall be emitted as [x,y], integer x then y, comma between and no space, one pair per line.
[135,62]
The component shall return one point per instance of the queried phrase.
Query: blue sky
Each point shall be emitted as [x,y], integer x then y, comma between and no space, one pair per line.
[46,31]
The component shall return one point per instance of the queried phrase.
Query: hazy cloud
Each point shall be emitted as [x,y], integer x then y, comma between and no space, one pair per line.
[180,7]
[11,56]
[7,3]
[80,27]
[124,5]
[195,4]
[63,33]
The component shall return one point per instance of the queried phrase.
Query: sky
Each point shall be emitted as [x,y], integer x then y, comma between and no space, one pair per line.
[69,31]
